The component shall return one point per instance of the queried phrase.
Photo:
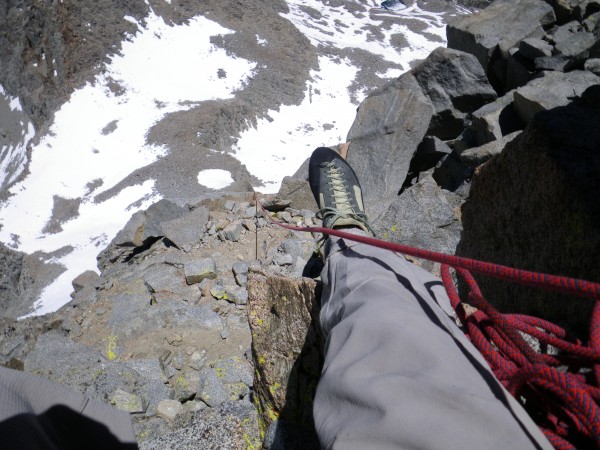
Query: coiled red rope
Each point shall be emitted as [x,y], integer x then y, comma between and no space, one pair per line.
[561,391]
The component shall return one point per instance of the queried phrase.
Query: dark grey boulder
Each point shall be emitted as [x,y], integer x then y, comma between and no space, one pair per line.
[494,120]
[550,90]
[196,271]
[455,84]
[87,278]
[187,230]
[161,211]
[421,217]
[478,155]
[535,206]
[573,42]
[390,124]
[298,192]
[147,224]
[490,33]
[232,232]
[567,10]
[592,22]
[532,48]
[557,63]
[593,65]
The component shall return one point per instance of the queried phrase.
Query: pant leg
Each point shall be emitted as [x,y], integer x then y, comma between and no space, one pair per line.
[36,413]
[398,372]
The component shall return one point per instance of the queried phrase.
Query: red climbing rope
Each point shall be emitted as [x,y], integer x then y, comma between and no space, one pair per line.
[561,391]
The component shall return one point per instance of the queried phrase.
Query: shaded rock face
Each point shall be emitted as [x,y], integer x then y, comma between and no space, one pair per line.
[288,349]
[553,169]
[390,124]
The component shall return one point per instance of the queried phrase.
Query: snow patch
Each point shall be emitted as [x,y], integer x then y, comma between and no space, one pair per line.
[352,30]
[260,41]
[280,144]
[215,178]
[160,70]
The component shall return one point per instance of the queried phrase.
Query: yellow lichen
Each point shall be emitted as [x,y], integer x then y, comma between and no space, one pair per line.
[274,388]
[111,346]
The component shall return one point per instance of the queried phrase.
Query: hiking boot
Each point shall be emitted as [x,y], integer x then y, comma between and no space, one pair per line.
[337,191]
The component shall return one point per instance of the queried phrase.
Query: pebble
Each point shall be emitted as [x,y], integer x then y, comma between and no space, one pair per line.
[169,409]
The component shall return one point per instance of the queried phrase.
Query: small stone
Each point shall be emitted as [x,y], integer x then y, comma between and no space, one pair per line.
[306,214]
[193,406]
[198,359]
[128,402]
[276,205]
[241,280]
[285,216]
[556,63]
[174,339]
[283,259]
[593,65]
[210,389]
[177,360]
[225,333]
[532,48]
[196,271]
[184,384]
[87,278]
[165,357]
[212,228]
[229,205]
[240,268]
[239,296]
[232,231]
[169,409]
[249,213]
[249,225]
[218,292]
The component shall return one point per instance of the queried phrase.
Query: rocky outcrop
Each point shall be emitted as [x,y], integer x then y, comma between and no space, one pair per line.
[162,331]
[550,90]
[288,349]
[455,85]
[492,32]
[22,279]
[390,124]
[45,53]
[535,207]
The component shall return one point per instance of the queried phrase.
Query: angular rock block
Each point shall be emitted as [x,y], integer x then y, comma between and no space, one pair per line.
[551,90]
[389,125]
[287,347]
[535,207]
[490,33]
[455,84]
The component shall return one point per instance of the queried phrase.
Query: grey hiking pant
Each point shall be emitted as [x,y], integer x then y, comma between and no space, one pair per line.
[398,372]
[38,414]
